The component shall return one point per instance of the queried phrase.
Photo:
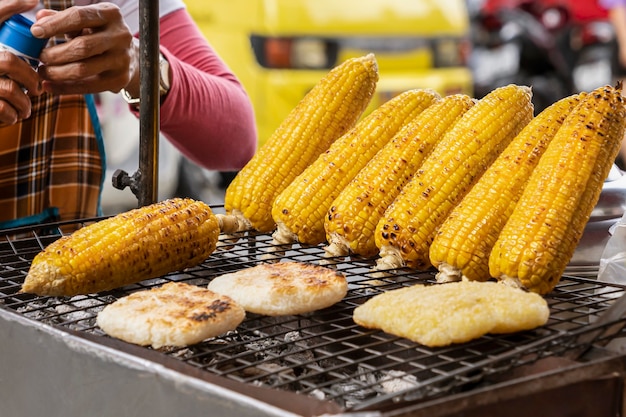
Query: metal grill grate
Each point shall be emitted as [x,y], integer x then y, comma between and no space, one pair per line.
[323,355]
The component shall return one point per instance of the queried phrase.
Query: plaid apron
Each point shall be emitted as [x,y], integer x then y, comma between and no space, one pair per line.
[52,164]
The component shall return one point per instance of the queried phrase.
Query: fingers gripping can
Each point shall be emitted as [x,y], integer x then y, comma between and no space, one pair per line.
[15,36]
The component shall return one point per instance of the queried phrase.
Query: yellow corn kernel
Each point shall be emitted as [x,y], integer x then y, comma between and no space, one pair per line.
[545,227]
[463,243]
[353,215]
[325,113]
[140,244]
[409,224]
[299,210]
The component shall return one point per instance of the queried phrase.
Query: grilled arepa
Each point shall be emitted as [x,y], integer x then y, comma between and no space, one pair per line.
[456,312]
[283,288]
[175,314]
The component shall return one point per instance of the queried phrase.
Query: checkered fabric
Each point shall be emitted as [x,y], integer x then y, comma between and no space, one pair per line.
[51,164]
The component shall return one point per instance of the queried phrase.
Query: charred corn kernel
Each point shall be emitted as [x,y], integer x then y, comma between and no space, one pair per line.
[463,242]
[140,244]
[353,215]
[328,111]
[409,224]
[299,210]
[545,227]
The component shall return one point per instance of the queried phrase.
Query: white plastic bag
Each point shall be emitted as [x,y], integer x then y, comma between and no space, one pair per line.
[612,269]
[613,260]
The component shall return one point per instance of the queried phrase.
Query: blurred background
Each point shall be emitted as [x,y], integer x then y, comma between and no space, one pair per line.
[280,48]
[559,47]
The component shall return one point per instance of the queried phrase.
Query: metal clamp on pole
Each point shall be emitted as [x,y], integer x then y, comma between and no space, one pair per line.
[144,183]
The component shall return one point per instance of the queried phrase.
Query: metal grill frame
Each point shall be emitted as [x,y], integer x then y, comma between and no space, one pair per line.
[323,356]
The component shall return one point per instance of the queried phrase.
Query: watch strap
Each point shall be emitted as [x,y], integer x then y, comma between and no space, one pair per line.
[164,83]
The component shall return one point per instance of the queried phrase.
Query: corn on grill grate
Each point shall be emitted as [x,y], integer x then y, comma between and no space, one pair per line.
[323,355]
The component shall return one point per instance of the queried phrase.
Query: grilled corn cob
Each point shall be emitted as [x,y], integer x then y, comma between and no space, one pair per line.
[140,244]
[329,110]
[408,226]
[353,215]
[463,242]
[545,227]
[299,210]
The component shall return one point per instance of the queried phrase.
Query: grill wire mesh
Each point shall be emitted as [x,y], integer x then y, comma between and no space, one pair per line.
[323,355]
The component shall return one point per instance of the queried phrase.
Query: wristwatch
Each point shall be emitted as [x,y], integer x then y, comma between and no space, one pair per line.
[164,82]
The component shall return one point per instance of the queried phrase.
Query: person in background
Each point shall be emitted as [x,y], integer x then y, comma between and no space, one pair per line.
[51,158]
[617,15]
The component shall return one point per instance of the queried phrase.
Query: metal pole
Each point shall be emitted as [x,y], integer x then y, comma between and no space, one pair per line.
[149,119]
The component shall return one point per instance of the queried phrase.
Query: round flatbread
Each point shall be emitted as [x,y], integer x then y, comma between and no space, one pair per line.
[175,314]
[455,312]
[283,288]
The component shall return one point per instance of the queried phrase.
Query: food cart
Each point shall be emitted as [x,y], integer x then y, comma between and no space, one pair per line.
[56,361]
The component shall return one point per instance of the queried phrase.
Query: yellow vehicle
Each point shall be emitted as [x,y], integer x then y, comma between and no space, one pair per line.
[280,48]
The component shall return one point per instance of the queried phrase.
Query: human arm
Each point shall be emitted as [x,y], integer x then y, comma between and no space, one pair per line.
[617,16]
[204,97]
[206,114]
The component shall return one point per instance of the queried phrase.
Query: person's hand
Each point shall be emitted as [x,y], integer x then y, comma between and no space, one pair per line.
[99,54]
[18,80]
[10,7]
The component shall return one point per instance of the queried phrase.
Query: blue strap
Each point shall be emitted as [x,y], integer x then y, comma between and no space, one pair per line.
[48,215]
[93,113]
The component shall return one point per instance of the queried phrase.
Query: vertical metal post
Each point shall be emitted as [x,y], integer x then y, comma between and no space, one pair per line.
[149,110]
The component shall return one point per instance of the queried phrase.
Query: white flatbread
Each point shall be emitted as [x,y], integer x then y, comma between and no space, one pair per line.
[283,288]
[456,312]
[175,314]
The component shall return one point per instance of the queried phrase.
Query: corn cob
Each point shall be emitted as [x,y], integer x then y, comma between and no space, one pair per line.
[543,231]
[299,211]
[463,242]
[353,215]
[140,244]
[329,110]
[408,226]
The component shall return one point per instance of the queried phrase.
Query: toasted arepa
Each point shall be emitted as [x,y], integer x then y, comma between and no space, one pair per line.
[175,314]
[455,312]
[283,288]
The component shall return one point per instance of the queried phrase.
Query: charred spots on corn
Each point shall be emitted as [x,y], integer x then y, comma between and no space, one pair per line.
[406,248]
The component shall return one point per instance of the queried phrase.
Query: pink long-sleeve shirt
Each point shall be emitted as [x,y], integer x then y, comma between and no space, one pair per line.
[207,114]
